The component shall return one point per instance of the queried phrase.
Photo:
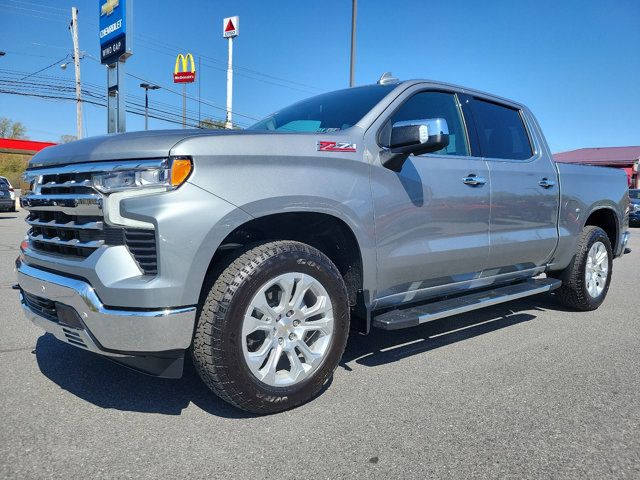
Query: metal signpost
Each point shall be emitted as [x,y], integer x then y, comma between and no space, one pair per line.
[230,29]
[115,15]
[184,76]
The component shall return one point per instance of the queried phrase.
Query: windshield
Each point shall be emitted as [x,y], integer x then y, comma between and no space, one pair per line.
[328,112]
[635,194]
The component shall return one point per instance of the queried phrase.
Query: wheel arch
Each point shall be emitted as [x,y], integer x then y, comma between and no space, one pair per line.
[331,235]
[607,219]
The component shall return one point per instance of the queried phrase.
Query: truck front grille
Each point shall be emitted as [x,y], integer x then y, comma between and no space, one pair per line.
[66,218]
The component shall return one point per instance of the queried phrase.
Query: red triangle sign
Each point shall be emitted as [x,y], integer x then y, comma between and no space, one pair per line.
[229,27]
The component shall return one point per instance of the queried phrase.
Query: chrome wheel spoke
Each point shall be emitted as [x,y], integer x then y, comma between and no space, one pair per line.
[262,305]
[269,370]
[323,325]
[297,368]
[252,324]
[257,358]
[321,307]
[302,286]
[310,357]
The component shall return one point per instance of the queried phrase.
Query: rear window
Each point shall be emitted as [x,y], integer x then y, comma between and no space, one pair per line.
[501,131]
[3,183]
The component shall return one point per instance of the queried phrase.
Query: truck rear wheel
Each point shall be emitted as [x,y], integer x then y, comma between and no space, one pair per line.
[272,327]
[585,282]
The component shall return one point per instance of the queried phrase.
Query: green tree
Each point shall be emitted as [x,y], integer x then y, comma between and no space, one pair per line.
[9,129]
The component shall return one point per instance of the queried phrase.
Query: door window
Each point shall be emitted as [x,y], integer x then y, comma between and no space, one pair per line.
[501,131]
[426,105]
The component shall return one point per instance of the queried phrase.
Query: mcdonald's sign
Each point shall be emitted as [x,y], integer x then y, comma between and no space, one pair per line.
[183,75]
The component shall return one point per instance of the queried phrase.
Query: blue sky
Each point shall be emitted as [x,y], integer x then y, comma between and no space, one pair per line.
[576,64]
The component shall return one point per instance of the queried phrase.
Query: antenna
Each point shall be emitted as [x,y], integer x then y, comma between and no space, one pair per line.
[387,78]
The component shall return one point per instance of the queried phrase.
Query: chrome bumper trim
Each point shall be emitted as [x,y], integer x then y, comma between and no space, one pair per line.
[108,331]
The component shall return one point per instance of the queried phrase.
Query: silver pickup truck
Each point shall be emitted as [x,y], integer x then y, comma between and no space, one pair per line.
[257,251]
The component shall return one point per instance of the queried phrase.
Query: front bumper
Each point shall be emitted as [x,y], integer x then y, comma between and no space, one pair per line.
[152,341]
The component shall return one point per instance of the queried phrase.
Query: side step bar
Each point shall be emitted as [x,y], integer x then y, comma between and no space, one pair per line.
[410,317]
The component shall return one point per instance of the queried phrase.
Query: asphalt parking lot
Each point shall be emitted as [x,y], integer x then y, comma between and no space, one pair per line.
[522,390]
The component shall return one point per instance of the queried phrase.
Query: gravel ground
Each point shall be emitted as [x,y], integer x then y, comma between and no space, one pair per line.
[521,390]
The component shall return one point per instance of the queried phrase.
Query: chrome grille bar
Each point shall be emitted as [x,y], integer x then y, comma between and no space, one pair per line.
[71,224]
[72,204]
[66,243]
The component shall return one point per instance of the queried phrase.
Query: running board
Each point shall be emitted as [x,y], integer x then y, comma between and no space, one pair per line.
[410,317]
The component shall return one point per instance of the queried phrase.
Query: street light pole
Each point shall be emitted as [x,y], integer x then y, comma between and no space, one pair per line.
[147,87]
[352,67]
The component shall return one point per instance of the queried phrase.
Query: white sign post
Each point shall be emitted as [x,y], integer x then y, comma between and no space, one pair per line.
[230,29]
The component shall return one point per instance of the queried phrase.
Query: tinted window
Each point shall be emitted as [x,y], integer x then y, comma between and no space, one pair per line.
[501,131]
[3,183]
[635,194]
[426,105]
[329,112]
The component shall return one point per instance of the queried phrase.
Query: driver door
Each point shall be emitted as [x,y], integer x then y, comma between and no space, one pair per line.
[432,228]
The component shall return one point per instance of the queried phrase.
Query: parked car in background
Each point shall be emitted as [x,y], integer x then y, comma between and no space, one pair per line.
[7,196]
[634,206]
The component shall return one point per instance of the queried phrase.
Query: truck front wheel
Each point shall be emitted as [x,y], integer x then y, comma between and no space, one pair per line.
[272,327]
[585,282]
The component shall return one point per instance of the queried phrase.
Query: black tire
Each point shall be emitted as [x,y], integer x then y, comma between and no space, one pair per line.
[573,293]
[217,346]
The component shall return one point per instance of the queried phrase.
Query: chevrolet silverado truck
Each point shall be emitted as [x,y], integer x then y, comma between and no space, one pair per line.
[258,251]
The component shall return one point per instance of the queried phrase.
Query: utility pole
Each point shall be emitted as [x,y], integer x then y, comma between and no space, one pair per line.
[76,62]
[352,68]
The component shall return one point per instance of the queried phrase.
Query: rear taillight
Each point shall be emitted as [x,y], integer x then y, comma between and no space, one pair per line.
[11,189]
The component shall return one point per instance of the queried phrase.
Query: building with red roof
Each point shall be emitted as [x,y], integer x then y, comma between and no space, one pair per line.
[626,158]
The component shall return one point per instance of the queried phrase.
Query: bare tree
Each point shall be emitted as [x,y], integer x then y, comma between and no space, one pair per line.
[9,129]
[67,138]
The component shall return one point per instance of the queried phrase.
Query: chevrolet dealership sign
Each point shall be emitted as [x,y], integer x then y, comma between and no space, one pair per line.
[113,30]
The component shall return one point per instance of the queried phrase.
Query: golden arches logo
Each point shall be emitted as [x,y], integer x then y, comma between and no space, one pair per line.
[182,75]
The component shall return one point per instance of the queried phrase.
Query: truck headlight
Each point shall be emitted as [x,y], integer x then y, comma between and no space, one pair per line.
[169,177]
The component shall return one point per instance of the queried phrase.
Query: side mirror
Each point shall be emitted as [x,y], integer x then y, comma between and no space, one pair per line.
[415,137]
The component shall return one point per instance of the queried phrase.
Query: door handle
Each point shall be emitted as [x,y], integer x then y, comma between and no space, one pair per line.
[546,183]
[473,180]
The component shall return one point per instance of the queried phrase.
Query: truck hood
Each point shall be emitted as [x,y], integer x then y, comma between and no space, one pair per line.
[124,146]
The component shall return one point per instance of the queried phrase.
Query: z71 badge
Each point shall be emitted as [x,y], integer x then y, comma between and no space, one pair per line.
[336,147]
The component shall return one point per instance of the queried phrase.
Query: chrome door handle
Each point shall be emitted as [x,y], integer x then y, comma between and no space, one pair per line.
[473,180]
[546,183]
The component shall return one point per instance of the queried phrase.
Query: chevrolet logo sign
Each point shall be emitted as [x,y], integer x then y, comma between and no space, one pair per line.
[108,7]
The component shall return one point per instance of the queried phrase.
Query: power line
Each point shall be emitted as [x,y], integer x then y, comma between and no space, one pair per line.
[155,41]
[45,68]
[40,5]
[54,88]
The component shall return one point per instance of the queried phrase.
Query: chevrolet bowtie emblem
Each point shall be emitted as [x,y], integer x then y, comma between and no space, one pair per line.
[109,5]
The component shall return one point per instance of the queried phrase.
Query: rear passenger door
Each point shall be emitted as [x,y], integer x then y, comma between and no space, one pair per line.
[524,189]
